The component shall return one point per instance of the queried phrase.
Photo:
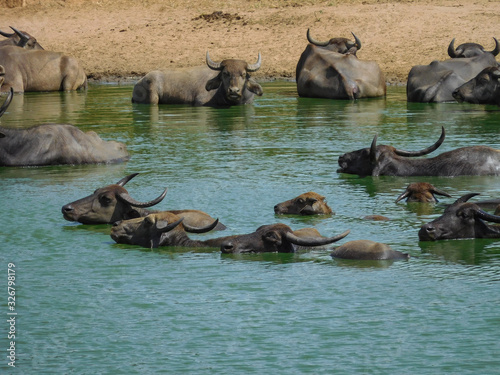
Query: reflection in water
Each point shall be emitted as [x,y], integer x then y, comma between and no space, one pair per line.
[468,251]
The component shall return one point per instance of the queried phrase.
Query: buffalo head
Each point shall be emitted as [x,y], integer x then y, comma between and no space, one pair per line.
[156,229]
[470,49]
[340,45]
[421,192]
[461,219]
[482,89]
[108,204]
[369,161]
[273,238]
[309,203]
[20,38]
[234,78]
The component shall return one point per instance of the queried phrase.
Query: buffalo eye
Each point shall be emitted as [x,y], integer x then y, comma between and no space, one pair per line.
[300,201]
[271,237]
[463,214]
[105,200]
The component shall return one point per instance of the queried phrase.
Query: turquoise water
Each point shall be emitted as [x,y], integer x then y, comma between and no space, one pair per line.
[86,305]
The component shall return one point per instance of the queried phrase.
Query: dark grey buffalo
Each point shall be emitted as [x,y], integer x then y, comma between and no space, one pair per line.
[113,203]
[421,192]
[218,84]
[54,144]
[462,219]
[309,203]
[40,70]
[380,160]
[482,89]
[20,39]
[367,250]
[437,81]
[168,229]
[331,69]
[470,49]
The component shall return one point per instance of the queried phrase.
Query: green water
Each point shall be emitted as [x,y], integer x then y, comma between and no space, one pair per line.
[86,305]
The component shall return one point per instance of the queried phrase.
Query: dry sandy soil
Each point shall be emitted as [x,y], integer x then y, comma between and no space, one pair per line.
[124,39]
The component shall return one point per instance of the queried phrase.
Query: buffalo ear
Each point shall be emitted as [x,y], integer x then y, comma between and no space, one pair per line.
[254,87]
[132,214]
[214,83]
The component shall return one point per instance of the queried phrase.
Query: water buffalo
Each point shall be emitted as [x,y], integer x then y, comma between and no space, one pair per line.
[331,70]
[367,250]
[461,219]
[160,229]
[482,89]
[437,81]
[20,39]
[113,203]
[379,160]
[470,49]
[55,144]
[40,70]
[218,84]
[421,192]
[165,229]
[309,203]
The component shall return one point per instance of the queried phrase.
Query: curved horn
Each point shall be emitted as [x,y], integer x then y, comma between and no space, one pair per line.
[440,192]
[405,194]
[465,198]
[125,197]
[256,66]
[213,65]
[126,179]
[358,42]
[373,149]
[7,101]
[20,34]
[7,35]
[496,50]
[488,217]
[204,229]
[314,241]
[316,42]
[425,151]
[451,49]
[168,226]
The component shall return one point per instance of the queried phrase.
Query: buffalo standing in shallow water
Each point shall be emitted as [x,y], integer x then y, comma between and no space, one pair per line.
[55,144]
[380,160]
[218,84]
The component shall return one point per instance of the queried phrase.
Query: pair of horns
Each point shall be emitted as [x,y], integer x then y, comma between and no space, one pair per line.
[477,211]
[218,65]
[167,227]
[125,197]
[453,53]
[349,44]
[425,151]
[314,241]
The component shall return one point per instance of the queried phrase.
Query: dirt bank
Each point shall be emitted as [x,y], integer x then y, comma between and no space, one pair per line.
[119,39]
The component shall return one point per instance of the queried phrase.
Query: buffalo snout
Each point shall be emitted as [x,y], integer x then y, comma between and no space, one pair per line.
[427,232]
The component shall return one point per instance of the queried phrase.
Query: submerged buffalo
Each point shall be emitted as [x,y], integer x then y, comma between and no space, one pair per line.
[332,70]
[309,203]
[421,192]
[462,219]
[167,229]
[379,160]
[55,144]
[113,203]
[218,84]
[40,70]
[482,89]
[367,250]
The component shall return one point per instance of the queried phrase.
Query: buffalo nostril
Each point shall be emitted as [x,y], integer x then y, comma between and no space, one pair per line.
[116,223]
[67,208]
[429,229]
[227,247]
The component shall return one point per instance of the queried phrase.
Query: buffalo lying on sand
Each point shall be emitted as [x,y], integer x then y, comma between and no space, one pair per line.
[379,160]
[332,70]
[113,203]
[218,84]
[40,70]
[54,144]
[462,219]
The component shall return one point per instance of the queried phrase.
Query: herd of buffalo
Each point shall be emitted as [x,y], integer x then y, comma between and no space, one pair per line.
[326,69]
